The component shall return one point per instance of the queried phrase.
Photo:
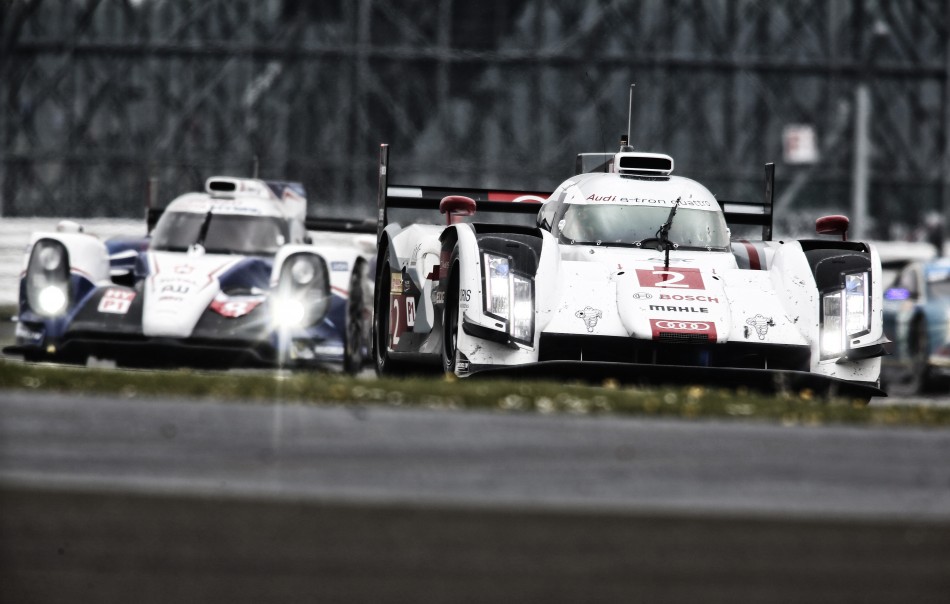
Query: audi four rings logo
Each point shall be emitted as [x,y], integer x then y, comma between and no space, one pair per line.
[642,296]
[683,325]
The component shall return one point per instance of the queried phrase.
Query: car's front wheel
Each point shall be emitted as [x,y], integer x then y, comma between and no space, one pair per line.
[382,307]
[357,324]
[450,322]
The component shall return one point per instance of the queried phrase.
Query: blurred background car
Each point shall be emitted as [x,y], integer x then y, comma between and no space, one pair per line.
[916,319]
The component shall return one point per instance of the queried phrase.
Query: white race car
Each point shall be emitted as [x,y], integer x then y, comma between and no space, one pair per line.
[230,276]
[629,272]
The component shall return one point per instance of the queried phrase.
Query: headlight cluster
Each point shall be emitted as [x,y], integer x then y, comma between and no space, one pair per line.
[509,297]
[303,292]
[845,314]
[47,278]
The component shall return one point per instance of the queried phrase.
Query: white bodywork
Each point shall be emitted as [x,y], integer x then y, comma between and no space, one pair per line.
[762,292]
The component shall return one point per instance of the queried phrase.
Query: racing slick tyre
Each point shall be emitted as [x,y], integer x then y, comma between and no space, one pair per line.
[381,309]
[450,320]
[356,324]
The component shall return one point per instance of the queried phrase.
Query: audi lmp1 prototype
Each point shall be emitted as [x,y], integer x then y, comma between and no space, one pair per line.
[228,277]
[628,271]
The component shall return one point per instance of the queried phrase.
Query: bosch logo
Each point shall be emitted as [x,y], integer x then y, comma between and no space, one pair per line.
[683,325]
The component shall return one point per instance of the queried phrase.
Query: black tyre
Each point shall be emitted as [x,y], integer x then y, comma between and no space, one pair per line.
[381,309]
[356,323]
[450,321]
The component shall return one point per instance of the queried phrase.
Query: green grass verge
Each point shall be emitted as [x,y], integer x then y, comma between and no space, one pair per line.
[508,396]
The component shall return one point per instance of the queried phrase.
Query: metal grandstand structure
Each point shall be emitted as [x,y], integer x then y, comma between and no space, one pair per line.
[99,95]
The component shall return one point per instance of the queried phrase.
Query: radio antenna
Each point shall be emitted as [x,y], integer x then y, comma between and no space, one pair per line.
[630,115]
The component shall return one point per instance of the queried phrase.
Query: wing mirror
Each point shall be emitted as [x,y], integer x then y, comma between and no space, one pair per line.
[833,225]
[456,206]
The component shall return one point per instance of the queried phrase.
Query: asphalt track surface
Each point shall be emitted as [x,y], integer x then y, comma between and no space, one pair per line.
[111,500]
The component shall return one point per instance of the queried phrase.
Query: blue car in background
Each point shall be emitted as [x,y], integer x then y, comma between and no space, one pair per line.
[917,320]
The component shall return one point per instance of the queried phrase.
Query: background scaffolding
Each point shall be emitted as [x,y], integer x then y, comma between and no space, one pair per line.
[100,94]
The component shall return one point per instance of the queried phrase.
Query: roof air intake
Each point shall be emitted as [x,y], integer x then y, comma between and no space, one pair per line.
[643,164]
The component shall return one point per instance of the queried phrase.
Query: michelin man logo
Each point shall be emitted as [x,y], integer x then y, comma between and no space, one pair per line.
[760,324]
[590,316]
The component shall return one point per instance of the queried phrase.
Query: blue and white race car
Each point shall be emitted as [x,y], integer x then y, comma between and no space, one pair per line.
[230,276]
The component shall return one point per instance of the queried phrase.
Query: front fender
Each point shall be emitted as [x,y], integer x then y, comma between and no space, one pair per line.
[532,253]
[88,255]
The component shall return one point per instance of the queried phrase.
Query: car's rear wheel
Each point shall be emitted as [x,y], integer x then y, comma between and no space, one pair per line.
[356,321]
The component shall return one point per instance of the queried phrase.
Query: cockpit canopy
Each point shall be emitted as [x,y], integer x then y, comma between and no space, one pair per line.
[220,233]
[612,209]
[635,225]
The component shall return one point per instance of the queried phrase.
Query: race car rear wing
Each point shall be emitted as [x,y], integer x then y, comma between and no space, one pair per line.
[282,190]
[737,213]
[753,213]
[416,197]
[342,225]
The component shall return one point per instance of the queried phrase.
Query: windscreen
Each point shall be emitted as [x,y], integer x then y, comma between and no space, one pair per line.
[220,233]
[629,225]
[938,286]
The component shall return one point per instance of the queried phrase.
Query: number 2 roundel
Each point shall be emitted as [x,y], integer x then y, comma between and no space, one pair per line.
[671,278]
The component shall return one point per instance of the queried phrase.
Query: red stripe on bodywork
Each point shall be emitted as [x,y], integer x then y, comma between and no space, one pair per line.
[519,197]
[754,262]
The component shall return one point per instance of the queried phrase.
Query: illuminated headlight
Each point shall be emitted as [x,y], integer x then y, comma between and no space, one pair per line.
[289,312]
[522,315]
[52,300]
[509,297]
[47,278]
[302,297]
[857,303]
[832,336]
[497,286]
[845,314]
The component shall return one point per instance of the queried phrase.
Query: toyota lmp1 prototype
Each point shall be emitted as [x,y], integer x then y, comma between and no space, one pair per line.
[630,272]
[230,276]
